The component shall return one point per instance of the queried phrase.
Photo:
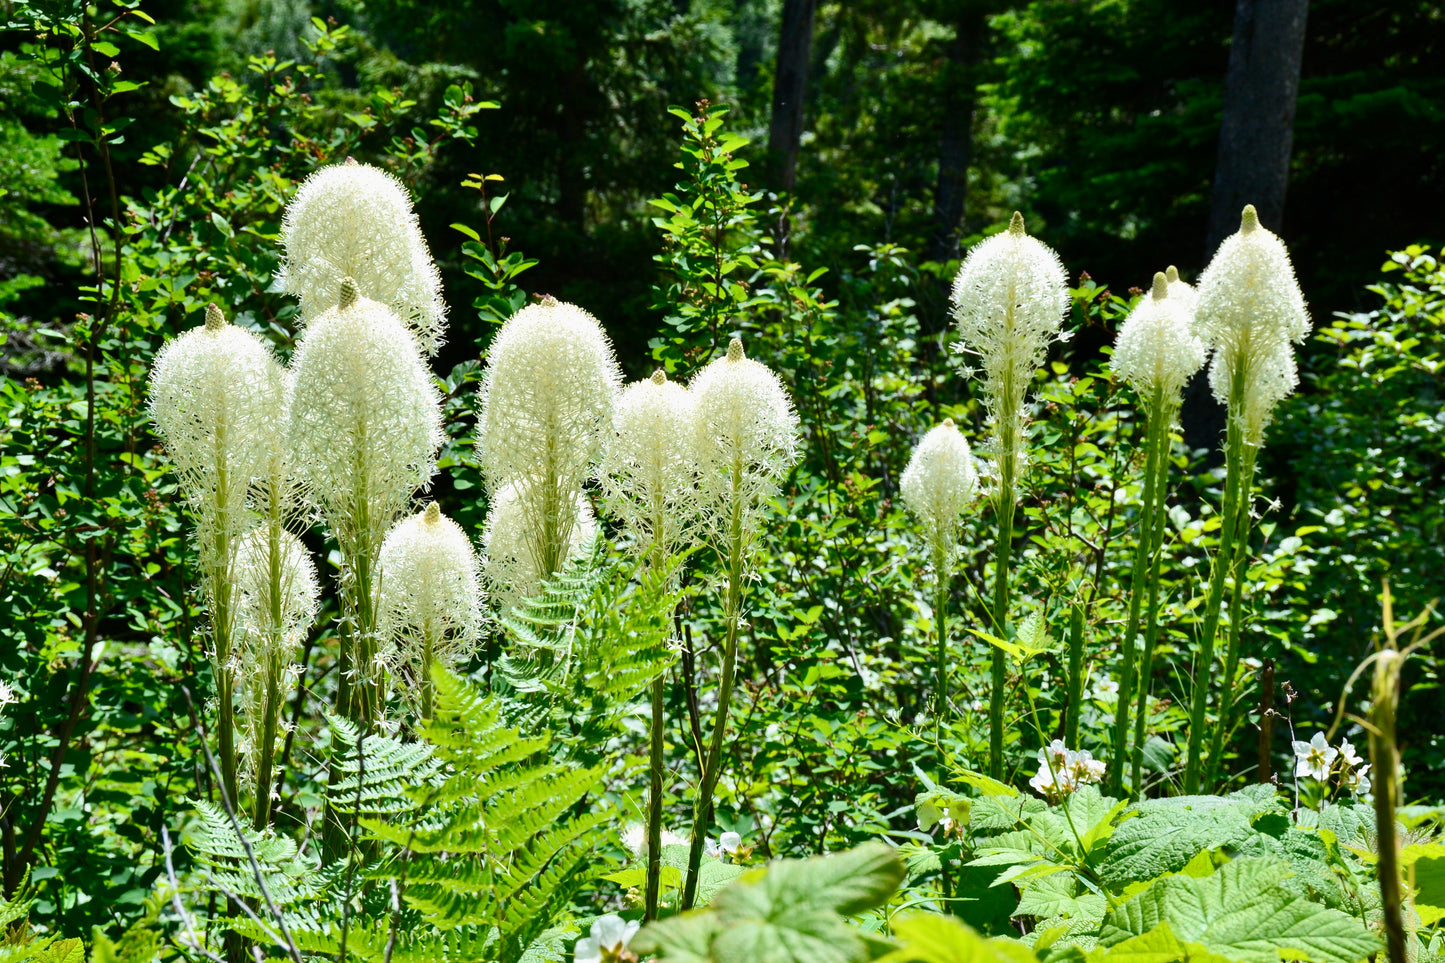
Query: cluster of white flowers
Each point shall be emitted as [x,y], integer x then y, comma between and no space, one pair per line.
[634,837]
[939,484]
[512,567]
[746,434]
[354,220]
[1009,301]
[651,465]
[365,421]
[1062,771]
[1156,351]
[274,615]
[1316,760]
[430,598]
[1250,310]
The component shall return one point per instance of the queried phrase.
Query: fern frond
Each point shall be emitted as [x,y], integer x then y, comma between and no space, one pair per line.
[288,878]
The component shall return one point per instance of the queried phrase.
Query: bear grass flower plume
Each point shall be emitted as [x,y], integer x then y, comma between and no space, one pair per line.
[939,484]
[354,220]
[430,600]
[1009,301]
[217,396]
[650,466]
[547,398]
[1156,351]
[365,430]
[512,565]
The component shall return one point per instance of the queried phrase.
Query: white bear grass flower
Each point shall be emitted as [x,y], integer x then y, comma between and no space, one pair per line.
[547,398]
[354,220]
[650,468]
[939,485]
[1156,351]
[430,601]
[512,564]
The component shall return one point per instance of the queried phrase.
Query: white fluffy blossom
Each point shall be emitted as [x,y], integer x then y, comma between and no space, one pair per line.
[430,598]
[939,484]
[1009,301]
[512,565]
[365,419]
[1250,310]
[1156,351]
[547,398]
[651,468]
[217,395]
[745,435]
[276,604]
[354,220]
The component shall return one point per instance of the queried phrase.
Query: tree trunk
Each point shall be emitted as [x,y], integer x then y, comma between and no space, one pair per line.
[1256,133]
[790,89]
[955,146]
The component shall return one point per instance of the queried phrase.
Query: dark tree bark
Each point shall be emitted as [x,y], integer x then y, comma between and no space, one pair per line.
[955,146]
[1256,134]
[790,90]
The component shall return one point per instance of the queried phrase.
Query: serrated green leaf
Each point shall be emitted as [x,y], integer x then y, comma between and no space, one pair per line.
[933,938]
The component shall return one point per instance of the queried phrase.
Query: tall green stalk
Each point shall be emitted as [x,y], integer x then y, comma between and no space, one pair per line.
[943,572]
[732,615]
[222,589]
[1002,560]
[1153,503]
[653,888]
[1155,536]
[1236,617]
[271,683]
[1234,456]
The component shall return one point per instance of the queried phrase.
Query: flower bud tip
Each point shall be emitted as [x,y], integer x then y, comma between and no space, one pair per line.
[547,301]
[215,320]
[1171,274]
[349,294]
[433,513]
[1248,220]
[659,377]
[947,423]
[350,161]
[735,349]
[1016,225]
[1161,286]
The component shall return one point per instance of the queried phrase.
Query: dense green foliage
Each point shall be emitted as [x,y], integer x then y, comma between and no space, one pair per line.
[132,196]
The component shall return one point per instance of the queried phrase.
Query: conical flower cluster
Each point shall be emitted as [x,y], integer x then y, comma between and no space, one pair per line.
[939,484]
[1250,311]
[274,615]
[1156,352]
[365,418]
[354,220]
[651,466]
[745,436]
[514,569]
[217,397]
[1009,301]
[547,400]
[430,598]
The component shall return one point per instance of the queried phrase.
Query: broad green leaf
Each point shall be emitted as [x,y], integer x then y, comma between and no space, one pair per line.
[62,951]
[1163,839]
[1159,945]
[683,939]
[933,938]
[1243,915]
[1058,895]
[1426,865]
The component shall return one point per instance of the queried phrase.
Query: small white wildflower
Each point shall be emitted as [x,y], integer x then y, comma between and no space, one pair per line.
[608,940]
[1156,352]
[354,220]
[1085,769]
[512,566]
[7,695]
[729,842]
[1348,754]
[1357,781]
[1106,690]
[1314,758]
[939,484]
[634,837]
[430,599]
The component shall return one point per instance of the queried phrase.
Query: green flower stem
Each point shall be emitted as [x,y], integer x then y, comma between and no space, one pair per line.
[1223,562]
[732,613]
[1076,673]
[1002,560]
[942,571]
[221,589]
[653,887]
[1153,503]
[1236,619]
[1155,535]
[272,705]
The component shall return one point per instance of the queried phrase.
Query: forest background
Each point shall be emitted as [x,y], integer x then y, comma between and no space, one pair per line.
[881,132]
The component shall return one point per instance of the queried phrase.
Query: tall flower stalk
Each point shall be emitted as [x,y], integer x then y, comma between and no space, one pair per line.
[365,430]
[745,433]
[1009,300]
[1156,354]
[650,471]
[215,395]
[1249,311]
[938,486]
